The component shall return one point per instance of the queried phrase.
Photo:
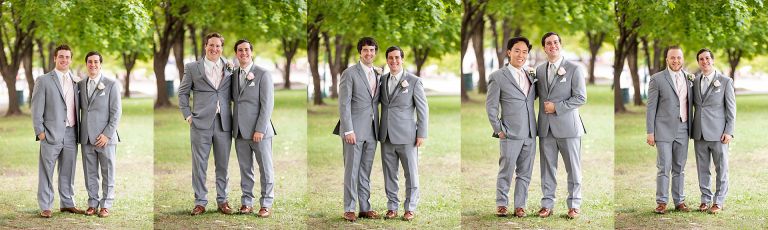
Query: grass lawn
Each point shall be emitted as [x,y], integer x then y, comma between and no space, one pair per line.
[746,203]
[479,167]
[438,168]
[174,197]
[133,188]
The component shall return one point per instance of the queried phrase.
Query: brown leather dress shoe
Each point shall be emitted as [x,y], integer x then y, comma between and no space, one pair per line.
[224,208]
[501,211]
[72,210]
[264,212]
[703,207]
[45,214]
[573,213]
[199,209]
[350,216]
[545,212]
[391,214]
[519,212]
[246,210]
[661,208]
[682,207]
[715,209]
[369,215]
[408,216]
[91,211]
[103,212]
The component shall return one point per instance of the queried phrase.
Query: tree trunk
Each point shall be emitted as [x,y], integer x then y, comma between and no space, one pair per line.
[10,68]
[420,57]
[627,33]
[595,42]
[195,49]
[129,60]
[334,57]
[28,53]
[506,34]
[178,52]
[290,46]
[313,46]
[473,11]
[734,57]
[477,43]
[632,61]
[162,50]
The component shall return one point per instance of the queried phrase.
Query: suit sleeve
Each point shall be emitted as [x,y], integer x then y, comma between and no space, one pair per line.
[422,109]
[267,101]
[184,90]
[578,93]
[115,111]
[345,100]
[38,105]
[730,108]
[653,101]
[492,103]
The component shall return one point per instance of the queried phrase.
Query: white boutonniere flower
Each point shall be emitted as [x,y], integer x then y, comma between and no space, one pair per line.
[76,79]
[531,73]
[689,76]
[377,70]
[250,76]
[229,66]
[716,83]
[100,86]
[561,71]
[404,84]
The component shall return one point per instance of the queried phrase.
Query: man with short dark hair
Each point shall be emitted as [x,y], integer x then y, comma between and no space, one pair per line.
[509,106]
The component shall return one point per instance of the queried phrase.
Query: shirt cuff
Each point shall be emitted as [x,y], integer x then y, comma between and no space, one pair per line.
[349,132]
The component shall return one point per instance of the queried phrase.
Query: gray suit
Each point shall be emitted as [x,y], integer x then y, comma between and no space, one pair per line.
[358,111]
[714,116]
[253,104]
[100,114]
[561,131]
[670,133]
[208,128]
[398,132]
[49,116]
[518,122]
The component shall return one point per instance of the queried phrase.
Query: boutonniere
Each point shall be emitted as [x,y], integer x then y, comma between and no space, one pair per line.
[689,76]
[716,83]
[230,66]
[100,86]
[561,71]
[404,84]
[377,70]
[531,73]
[250,76]
[76,79]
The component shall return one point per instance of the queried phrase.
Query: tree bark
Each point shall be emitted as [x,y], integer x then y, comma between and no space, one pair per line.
[477,42]
[129,61]
[473,11]
[633,69]
[17,48]
[290,46]
[28,53]
[162,50]
[313,46]
[595,40]
[178,52]
[420,57]
[734,57]
[627,33]
[192,33]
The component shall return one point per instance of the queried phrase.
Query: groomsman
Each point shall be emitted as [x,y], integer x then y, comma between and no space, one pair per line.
[515,125]
[668,125]
[561,92]
[253,96]
[400,135]
[358,111]
[54,118]
[713,123]
[210,119]
[101,109]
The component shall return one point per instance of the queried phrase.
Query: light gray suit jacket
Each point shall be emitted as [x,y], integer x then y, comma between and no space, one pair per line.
[663,109]
[568,92]
[203,108]
[49,110]
[253,104]
[358,108]
[397,110]
[100,113]
[715,112]
[518,118]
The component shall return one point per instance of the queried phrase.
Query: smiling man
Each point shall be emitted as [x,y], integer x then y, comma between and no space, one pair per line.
[101,109]
[208,81]
[510,89]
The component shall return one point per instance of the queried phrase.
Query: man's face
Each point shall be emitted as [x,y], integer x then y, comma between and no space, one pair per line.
[706,62]
[244,54]
[675,59]
[518,54]
[63,59]
[394,61]
[552,46]
[367,53]
[213,48]
[94,65]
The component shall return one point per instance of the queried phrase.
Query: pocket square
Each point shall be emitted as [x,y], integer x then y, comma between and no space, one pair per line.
[405,91]
[252,84]
[717,91]
[102,94]
[562,80]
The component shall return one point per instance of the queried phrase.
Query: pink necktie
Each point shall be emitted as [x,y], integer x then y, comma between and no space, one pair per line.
[215,78]
[682,95]
[371,82]
[69,96]
[522,81]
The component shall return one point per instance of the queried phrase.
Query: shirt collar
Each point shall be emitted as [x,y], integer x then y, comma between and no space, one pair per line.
[558,62]
[711,75]
[513,69]
[210,64]
[248,67]
[366,68]
[673,73]
[59,73]
[399,75]
[97,79]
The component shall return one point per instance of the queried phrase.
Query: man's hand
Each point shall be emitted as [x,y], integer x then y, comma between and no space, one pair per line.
[41,136]
[101,141]
[651,140]
[350,139]
[257,136]
[502,135]
[725,139]
[419,141]
[189,120]
[549,107]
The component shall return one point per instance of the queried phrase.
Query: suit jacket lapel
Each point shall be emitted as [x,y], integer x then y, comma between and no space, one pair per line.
[697,88]
[201,69]
[556,78]
[508,74]
[96,90]
[385,84]
[709,88]
[365,79]
[668,76]
[58,85]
